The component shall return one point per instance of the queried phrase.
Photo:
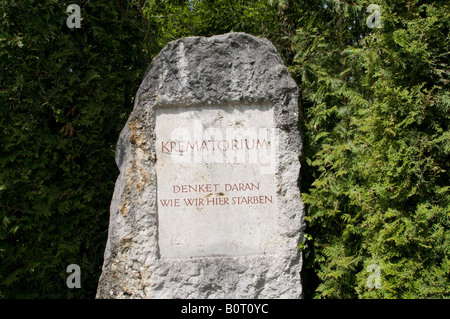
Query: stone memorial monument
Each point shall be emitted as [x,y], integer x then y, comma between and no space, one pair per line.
[207,203]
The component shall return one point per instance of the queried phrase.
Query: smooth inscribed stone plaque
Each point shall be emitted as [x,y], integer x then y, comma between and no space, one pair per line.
[207,203]
[216,184]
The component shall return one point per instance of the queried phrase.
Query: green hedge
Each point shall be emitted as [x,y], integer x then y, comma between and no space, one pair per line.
[65,95]
[377,139]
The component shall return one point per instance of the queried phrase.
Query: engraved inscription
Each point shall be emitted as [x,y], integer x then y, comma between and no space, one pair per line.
[216,187]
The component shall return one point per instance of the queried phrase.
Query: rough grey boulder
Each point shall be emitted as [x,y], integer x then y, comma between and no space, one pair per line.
[222,82]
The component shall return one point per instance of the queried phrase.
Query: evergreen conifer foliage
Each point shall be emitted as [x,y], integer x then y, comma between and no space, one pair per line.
[64,97]
[376,119]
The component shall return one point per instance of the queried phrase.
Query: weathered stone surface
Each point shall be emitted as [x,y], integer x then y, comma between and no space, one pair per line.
[207,203]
